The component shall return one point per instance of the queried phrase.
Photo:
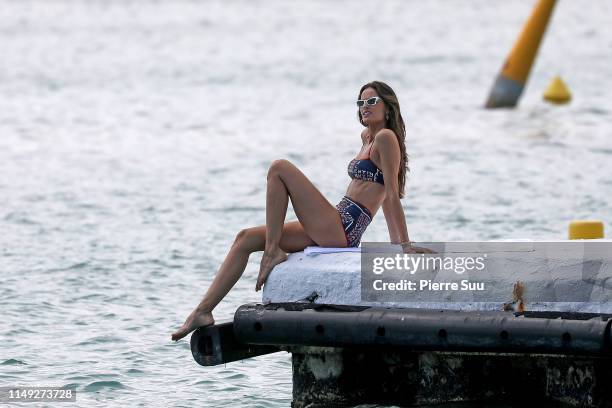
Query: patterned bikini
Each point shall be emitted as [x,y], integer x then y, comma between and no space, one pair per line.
[355,216]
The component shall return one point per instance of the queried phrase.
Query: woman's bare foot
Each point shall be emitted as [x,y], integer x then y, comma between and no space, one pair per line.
[269,260]
[196,319]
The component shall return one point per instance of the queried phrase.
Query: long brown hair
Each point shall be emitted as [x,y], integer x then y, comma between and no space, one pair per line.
[395,122]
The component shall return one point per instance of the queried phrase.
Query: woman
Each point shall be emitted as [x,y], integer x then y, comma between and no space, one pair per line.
[378,177]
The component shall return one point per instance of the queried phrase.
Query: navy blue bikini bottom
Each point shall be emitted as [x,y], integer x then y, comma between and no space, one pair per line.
[355,219]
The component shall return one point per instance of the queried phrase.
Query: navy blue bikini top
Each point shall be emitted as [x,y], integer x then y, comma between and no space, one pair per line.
[365,169]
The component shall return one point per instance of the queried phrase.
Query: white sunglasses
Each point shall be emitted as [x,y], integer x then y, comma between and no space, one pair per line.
[370,101]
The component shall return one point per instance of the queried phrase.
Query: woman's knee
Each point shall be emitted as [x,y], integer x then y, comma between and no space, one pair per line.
[241,235]
[249,239]
[277,167]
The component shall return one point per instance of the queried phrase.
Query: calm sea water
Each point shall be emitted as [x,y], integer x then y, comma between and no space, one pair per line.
[135,137]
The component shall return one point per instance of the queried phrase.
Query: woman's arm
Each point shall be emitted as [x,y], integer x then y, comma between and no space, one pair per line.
[389,151]
[394,235]
[388,148]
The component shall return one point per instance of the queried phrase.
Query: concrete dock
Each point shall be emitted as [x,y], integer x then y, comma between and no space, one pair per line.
[435,346]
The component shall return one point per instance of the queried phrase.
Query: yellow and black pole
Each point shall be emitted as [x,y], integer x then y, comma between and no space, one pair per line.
[510,82]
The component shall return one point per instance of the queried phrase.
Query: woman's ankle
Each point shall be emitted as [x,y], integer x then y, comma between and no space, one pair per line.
[204,308]
[271,247]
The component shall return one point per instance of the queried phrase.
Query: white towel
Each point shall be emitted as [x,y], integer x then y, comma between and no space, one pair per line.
[317,250]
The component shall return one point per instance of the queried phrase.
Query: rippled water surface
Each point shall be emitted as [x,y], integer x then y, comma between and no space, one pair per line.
[135,138]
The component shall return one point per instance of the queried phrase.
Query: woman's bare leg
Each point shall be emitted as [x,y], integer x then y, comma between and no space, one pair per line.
[318,217]
[249,240]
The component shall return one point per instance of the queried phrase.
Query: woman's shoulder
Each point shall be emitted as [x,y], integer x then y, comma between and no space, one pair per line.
[385,136]
[364,136]
[383,133]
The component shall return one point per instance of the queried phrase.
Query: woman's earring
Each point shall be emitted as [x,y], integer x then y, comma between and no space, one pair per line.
[387,116]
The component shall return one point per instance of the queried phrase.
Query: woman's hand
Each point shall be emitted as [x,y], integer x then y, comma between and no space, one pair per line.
[418,250]
[408,248]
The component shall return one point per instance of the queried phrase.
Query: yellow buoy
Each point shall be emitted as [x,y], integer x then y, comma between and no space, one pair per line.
[586,229]
[557,92]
